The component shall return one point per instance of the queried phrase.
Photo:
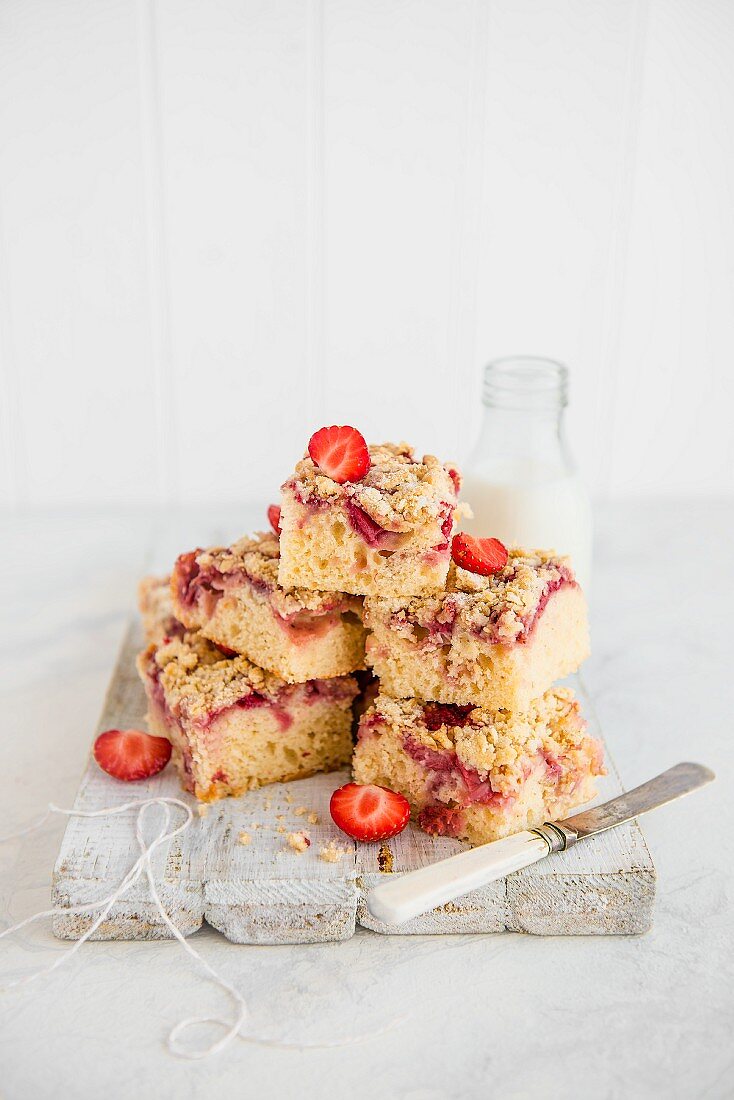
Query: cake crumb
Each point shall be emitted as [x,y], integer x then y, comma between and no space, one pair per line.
[289,797]
[280,829]
[299,842]
[300,811]
[268,803]
[202,809]
[313,818]
[332,852]
[244,838]
[384,859]
[280,817]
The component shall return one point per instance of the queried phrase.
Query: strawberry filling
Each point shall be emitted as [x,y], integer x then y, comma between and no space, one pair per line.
[432,633]
[373,534]
[553,766]
[436,715]
[456,478]
[205,587]
[467,786]
[340,689]
[368,725]
[432,759]
[441,820]
[447,526]
[435,632]
[564,580]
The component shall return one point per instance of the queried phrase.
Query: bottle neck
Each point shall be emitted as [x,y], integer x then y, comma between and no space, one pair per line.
[524,401]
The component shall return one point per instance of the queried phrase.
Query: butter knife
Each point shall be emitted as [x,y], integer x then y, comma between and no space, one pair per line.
[416,892]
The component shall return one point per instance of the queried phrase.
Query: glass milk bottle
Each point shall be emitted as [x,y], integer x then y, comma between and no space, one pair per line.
[520,480]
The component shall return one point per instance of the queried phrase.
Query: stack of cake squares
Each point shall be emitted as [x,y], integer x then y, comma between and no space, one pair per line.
[357,612]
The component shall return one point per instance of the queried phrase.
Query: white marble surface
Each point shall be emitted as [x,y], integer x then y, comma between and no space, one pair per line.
[506,1015]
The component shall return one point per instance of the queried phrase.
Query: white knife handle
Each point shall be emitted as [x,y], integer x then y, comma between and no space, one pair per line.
[416,892]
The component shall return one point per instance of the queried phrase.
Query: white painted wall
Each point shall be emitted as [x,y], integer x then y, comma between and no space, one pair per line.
[224,223]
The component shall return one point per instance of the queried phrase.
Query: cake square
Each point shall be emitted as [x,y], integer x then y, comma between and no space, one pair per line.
[387,533]
[495,641]
[233,597]
[480,775]
[156,610]
[234,726]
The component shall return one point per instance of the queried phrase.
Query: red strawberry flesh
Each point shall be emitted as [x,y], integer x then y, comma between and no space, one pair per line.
[367,812]
[481,556]
[340,452]
[131,754]
[436,715]
[274,517]
[455,477]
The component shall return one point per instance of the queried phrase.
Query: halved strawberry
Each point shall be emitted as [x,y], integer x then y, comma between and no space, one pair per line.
[368,812]
[274,517]
[483,556]
[131,754]
[340,453]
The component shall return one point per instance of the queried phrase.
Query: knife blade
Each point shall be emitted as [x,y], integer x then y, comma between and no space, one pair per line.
[416,892]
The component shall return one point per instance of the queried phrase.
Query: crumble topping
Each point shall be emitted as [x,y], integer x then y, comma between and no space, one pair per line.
[255,560]
[244,838]
[484,742]
[501,608]
[399,492]
[199,681]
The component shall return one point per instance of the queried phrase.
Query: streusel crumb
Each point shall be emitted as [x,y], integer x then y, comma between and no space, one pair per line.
[299,842]
[399,491]
[199,679]
[488,740]
[501,606]
[332,852]
[244,838]
[256,559]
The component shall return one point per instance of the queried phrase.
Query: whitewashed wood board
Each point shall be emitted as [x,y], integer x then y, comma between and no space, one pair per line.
[266,893]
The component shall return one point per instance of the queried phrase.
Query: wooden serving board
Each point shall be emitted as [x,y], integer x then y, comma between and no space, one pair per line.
[266,893]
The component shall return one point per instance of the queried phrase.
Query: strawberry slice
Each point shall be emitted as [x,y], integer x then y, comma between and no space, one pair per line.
[274,517]
[131,754]
[483,556]
[368,812]
[340,453]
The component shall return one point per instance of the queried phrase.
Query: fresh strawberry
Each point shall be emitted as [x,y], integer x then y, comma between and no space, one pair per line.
[369,812]
[274,517]
[483,556]
[131,754]
[340,453]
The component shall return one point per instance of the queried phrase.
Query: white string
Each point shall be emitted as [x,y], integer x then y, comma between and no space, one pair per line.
[143,864]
